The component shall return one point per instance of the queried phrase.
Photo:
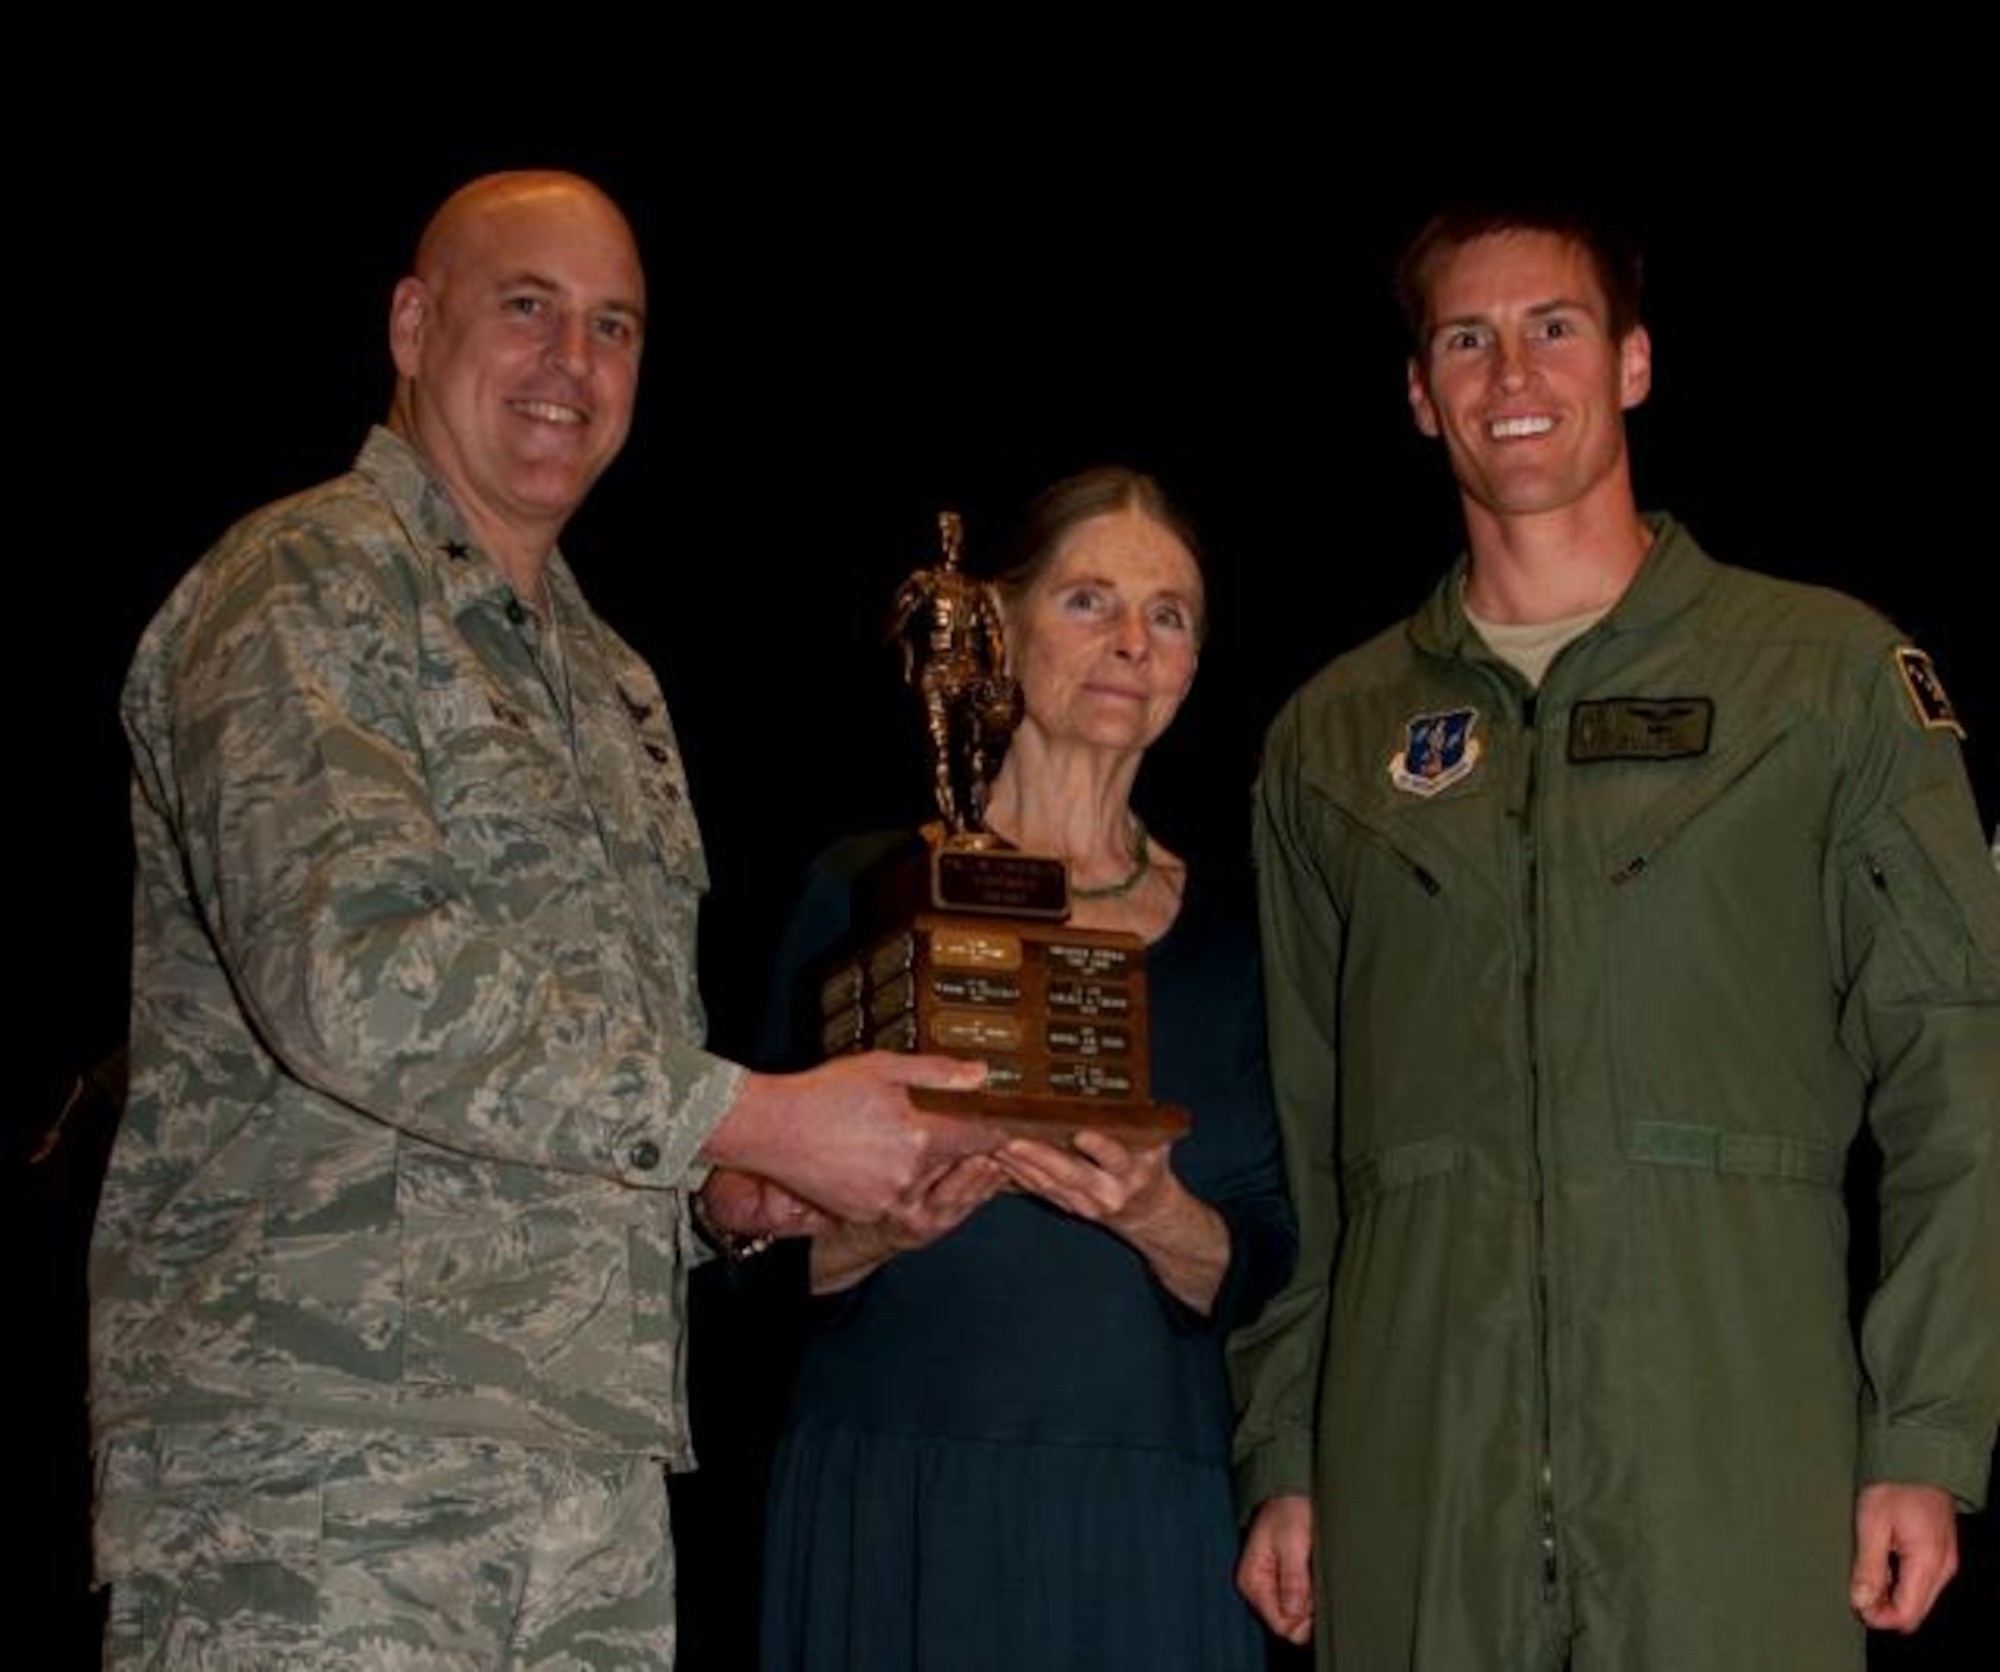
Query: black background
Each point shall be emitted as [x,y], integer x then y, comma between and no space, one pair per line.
[874,295]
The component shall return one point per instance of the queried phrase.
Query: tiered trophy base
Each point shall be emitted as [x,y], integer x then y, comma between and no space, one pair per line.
[964,953]
[1048,1117]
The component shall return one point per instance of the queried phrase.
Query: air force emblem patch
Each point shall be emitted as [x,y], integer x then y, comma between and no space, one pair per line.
[1438,750]
[1920,679]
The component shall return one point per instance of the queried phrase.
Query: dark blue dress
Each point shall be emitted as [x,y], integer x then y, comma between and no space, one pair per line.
[1010,1449]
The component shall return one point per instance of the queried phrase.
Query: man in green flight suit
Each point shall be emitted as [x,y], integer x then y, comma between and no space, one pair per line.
[1604,900]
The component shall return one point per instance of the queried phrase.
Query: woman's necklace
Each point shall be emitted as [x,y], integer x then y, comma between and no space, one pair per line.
[1142,863]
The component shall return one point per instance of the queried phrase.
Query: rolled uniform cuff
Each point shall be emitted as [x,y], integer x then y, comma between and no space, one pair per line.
[1907,1454]
[1277,1467]
[662,1150]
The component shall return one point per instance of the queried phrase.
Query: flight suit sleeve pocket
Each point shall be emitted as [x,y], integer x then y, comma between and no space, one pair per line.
[1930,902]
[1962,898]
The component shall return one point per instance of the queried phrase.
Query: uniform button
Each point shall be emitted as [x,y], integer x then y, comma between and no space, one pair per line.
[644,1155]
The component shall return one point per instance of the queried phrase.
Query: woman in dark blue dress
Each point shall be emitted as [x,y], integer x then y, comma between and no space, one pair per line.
[1010,1442]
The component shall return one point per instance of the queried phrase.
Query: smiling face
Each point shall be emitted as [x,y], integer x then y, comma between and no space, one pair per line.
[517,347]
[1105,639]
[1522,377]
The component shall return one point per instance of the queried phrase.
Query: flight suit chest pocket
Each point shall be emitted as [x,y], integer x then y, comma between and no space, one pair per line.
[1377,846]
[1706,925]
[1754,791]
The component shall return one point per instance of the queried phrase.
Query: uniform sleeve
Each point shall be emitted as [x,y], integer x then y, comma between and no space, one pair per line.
[1275,1362]
[1918,908]
[378,961]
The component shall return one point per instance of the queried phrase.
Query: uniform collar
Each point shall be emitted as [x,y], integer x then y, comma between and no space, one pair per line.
[424,507]
[1674,574]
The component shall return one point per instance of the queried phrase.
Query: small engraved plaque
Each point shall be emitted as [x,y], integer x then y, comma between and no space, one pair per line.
[1001,881]
[975,989]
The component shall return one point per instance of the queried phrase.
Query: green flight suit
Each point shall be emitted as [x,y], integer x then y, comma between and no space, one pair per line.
[1578,1000]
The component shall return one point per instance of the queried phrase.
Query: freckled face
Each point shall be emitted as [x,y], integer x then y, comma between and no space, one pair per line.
[1106,640]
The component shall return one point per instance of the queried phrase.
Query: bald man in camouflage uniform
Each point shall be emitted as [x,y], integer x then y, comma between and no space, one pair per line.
[389,1267]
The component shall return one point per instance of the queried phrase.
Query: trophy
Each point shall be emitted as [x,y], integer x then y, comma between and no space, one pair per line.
[962,945]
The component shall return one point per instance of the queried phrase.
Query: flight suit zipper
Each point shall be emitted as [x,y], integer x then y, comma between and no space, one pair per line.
[1531,977]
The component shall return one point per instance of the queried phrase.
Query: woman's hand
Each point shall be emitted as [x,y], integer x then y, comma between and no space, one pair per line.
[844,1253]
[1136,1194]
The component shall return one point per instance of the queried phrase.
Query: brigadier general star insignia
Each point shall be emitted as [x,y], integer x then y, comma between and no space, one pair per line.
[1437,751]
[1920,679]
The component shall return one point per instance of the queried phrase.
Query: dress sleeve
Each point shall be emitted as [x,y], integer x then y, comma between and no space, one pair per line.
[821,916]
[280,746]
[1917,904]
[779,1285]
[1242,1178]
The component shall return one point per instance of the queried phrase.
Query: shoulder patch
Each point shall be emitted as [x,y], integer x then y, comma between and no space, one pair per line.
[1437,750]
[1926,691]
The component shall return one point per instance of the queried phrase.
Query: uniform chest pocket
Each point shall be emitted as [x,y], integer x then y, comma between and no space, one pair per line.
[1759,785]
[1707,924]
[495,756]
[1365,840]
[509,808]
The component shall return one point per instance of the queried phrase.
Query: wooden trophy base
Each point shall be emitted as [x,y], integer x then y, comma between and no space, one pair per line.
[1058,1014]
[1059,1119]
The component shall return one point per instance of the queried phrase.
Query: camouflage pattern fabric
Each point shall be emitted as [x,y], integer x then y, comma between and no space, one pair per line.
[417,1087]
[257,1545]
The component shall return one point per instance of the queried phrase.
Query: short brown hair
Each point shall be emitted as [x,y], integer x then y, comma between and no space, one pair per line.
[1612,247]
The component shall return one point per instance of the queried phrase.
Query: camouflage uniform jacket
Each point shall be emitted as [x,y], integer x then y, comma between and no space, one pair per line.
[417,1087]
